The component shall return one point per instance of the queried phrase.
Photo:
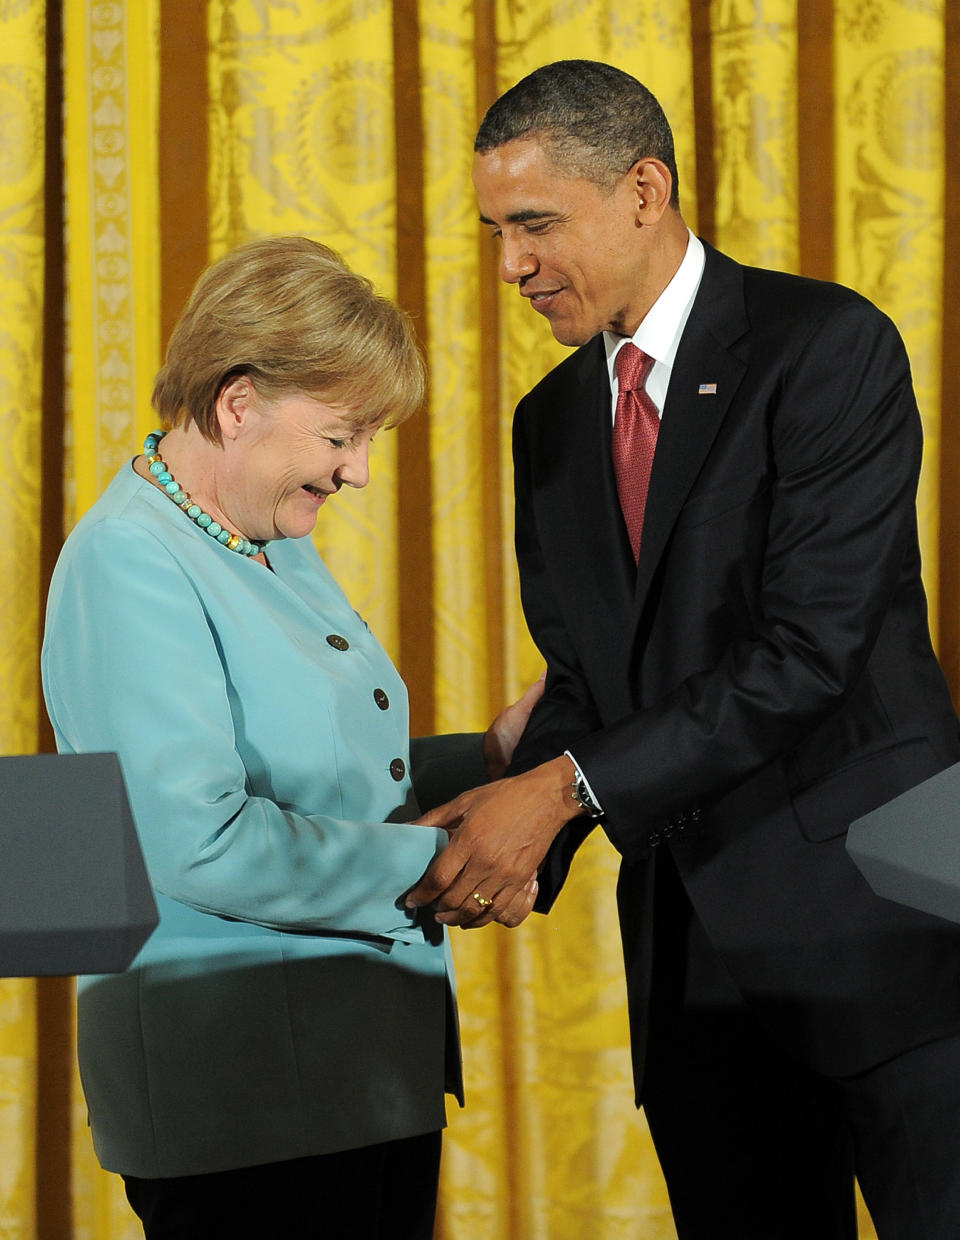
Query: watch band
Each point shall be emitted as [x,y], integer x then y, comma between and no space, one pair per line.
[581,792]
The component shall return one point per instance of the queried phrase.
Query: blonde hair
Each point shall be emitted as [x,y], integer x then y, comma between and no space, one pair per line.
[288,313]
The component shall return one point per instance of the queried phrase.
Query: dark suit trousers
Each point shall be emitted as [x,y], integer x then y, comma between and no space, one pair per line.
[756,1146]
[379,1192]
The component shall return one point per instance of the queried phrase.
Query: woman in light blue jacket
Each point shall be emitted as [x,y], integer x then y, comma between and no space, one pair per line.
[274,1062]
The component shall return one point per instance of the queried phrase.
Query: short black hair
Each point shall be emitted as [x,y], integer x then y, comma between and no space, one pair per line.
[594,120]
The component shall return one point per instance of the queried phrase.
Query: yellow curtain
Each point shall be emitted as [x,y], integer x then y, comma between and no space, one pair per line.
[810,137]
[22,163]
[113,262]
[889,197]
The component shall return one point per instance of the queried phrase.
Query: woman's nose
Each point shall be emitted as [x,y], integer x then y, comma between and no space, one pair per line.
[354,470]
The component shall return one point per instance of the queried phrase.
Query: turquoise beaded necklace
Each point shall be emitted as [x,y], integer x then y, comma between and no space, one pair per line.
[158,467]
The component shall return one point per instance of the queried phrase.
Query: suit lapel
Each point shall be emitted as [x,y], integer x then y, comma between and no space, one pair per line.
[703,382]
[589,520]
[581,508]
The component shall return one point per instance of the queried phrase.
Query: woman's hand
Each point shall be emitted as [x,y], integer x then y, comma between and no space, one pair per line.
[500,739]
[520,906]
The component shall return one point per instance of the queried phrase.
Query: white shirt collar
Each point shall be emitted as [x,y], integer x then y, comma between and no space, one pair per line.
[660,331]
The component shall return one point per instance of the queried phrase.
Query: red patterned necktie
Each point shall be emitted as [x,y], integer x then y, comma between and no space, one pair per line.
[634,438]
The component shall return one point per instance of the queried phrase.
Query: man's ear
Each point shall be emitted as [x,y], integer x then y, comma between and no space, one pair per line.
[236,401]
[652,184]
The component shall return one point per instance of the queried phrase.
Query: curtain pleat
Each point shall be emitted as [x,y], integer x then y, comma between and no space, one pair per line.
[812,136]
[754,85]
[110,157]
[889,200]
[22,165]
[23,74]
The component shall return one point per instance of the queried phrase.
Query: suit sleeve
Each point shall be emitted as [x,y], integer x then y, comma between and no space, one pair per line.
[846,443]
[566,712]
[131,665]
[444,766]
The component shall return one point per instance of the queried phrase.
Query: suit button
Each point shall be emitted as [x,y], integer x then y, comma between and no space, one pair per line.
[653,839]
[398,769]
[381,699]
[338,642]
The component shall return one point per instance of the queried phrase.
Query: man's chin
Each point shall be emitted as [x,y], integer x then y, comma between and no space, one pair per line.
[570,335]
[566,329]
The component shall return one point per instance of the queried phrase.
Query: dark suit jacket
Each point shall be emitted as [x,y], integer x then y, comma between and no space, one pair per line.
[765,674]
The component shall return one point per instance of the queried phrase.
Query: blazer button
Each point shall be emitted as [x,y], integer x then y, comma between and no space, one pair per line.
[398,769]
[653,839]
[338,642]
[381,699]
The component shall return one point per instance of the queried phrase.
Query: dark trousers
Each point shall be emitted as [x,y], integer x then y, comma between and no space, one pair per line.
[372,1193]
[755,1146]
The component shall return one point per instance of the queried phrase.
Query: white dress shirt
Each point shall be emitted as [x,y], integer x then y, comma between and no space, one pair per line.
[659,333]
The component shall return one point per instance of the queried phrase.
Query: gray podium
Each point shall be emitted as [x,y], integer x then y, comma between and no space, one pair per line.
[909,849]
[74,893]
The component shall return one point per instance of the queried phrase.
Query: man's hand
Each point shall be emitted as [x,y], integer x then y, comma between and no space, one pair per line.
[500,834]
[500,739]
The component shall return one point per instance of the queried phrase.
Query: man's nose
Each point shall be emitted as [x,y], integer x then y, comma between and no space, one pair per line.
[516,260]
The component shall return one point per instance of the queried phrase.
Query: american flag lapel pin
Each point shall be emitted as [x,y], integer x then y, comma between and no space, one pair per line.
[707,389]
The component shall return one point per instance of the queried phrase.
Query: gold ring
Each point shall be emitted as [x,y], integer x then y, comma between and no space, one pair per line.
[481,900]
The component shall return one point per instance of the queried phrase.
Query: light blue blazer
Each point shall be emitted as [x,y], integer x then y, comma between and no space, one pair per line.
[287,1004]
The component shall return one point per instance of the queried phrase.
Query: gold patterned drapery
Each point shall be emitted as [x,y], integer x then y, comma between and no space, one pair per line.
[141,137]
[23,106]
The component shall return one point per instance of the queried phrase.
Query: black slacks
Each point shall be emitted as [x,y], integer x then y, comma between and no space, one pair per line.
[372,1193]
[755,1146]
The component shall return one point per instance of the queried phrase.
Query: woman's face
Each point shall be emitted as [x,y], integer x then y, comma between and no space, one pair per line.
[284,458]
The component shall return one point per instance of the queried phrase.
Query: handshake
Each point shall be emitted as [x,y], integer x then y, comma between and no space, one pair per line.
[499,833]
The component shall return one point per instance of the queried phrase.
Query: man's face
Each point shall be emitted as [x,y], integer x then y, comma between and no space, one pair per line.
[576,251]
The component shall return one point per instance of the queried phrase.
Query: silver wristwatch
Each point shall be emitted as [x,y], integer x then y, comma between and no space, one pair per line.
[581,793]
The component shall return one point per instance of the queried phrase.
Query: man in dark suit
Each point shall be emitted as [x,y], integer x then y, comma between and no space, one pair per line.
[738,665]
